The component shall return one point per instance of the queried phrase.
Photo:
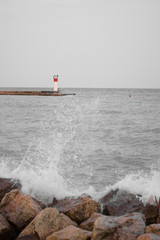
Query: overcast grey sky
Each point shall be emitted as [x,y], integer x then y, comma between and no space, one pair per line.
[89,43]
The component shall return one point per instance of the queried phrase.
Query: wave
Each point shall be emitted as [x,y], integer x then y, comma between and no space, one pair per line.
[47,182]
[144,183]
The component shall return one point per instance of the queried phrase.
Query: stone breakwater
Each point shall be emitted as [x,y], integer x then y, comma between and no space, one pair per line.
[119,215]
[35,93]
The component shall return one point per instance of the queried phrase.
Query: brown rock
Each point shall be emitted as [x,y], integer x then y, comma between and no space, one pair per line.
[153,228]
[18,208]
[70,233]
[88,224]
[79,210]
[105,228]
[7,232]
[151,213]
[6,185]
[44,224]
[109,196]
[126,227]
[158,208]
[148,236]
[117,203]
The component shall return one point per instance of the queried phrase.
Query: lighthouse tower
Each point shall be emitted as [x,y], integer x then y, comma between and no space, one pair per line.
[55,80]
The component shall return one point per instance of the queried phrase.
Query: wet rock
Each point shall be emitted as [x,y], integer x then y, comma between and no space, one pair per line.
[151,211]
[117,203]
[126,227]
[79,210]
[8,184]
[70,233]
[7,232]
[153,228]
[109,196]
[105,228]
[88,224]
[19,209]
[158,210]
[148,236]
[44,224]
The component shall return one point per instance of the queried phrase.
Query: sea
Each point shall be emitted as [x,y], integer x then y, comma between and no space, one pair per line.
[88,144]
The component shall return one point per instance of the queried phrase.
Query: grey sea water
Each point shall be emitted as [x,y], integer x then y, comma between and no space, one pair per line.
[89,143]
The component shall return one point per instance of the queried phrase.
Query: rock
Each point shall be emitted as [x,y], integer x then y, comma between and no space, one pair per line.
[70,233]
[7,232]
[8,184]
[151,211]
[126,227]
[109,196]
[79,210]
[88,224]
[105,228]
[153,228]
[44,224]
[148,236]
[19,209]
[117,203]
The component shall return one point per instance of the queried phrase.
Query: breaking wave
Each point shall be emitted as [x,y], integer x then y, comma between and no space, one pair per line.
[44,181]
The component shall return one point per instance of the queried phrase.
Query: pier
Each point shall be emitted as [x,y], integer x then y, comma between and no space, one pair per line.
[35,93]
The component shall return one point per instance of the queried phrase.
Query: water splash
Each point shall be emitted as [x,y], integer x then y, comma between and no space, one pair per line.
[144,183]
[42,169]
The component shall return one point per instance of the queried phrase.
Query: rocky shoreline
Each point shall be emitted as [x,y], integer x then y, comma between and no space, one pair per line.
[119,215]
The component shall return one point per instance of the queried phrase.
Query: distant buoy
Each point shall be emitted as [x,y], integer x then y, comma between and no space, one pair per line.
[129,94]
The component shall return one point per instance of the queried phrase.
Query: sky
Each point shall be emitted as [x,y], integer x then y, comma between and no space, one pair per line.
[88,43]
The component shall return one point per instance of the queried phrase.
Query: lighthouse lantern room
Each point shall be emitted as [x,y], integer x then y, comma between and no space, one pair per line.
[55,80]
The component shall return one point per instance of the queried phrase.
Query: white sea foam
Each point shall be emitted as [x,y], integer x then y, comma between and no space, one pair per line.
[146,184]
[46,182]
[43,183]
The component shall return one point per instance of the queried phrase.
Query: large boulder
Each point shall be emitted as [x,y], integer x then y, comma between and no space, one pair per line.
[117,203]
[19,209]
[8,184]
[70,233]
[89,223]
[80,209]
[153,228]
[126,227]
[7,232]
[44,224]
[148,236]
